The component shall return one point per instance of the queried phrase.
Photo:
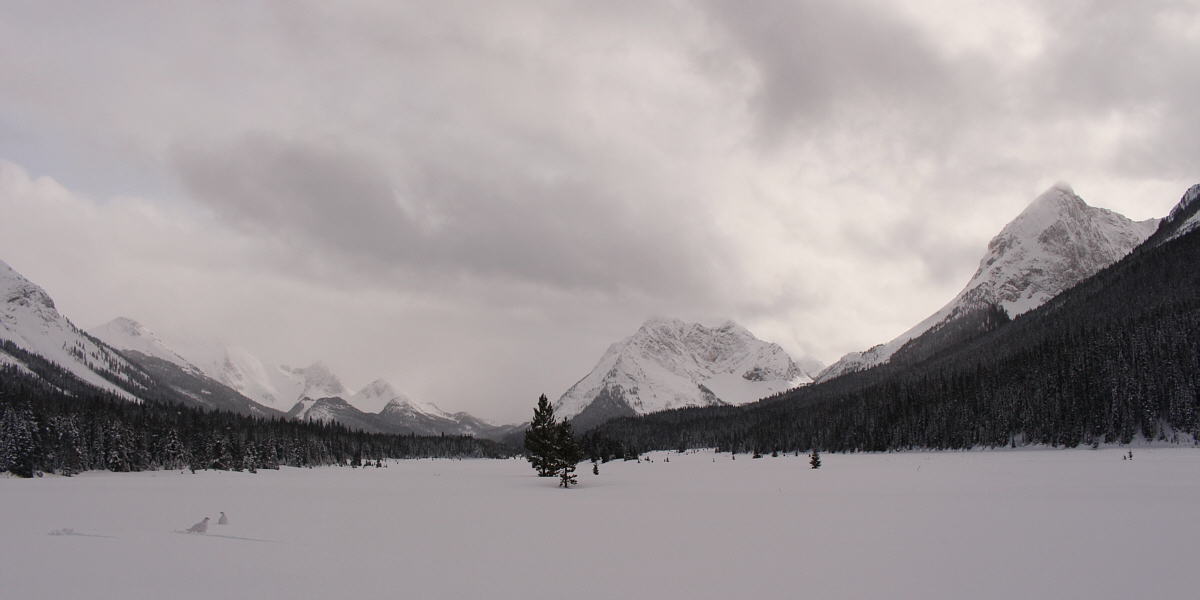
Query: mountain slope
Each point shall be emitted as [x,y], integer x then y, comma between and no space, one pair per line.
[1056,242]
[240,370]
[128,335]
[29,320]
[1185,217]
[671,364]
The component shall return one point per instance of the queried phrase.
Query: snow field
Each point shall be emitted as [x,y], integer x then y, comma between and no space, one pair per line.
[998,524]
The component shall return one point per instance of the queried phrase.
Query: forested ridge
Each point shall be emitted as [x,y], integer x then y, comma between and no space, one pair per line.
[70,427]
[1115,356]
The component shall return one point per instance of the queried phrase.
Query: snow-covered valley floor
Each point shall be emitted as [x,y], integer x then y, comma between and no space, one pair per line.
[998,524]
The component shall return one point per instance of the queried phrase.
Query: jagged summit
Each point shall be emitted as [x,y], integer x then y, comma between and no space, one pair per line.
[669,363]
[1056,242]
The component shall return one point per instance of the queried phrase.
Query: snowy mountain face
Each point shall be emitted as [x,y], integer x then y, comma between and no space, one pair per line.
[278,387]
[128,335]
[671,364]
[240,370]
[29,320]
[1056,242]
[1184,218]
[139,345]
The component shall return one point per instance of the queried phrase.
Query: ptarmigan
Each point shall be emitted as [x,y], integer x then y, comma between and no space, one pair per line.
[224,520]
[200,527]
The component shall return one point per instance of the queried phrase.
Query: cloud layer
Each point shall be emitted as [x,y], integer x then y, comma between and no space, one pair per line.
[438,188]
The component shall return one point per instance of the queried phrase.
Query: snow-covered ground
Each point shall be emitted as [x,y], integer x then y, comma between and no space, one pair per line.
[998,524]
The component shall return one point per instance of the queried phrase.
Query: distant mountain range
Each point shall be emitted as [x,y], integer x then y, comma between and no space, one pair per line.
[1055,243]
[311,393]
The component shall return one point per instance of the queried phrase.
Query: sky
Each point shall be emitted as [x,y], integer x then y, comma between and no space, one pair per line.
[472,200]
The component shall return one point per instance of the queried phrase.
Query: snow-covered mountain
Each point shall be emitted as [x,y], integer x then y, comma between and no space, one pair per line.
[29,320]
[1056,242]
[671,364]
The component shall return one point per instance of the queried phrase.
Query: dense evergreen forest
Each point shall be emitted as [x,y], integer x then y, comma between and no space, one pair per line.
[1115,356]
[71,427]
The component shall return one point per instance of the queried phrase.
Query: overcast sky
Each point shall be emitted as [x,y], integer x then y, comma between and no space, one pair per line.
[473,200]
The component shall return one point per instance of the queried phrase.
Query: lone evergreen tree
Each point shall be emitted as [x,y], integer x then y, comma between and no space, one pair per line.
[816,459]
[567,454]
[541,438]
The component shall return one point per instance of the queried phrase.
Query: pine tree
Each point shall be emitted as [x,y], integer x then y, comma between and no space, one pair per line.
[541,438]
[816,459]
[566,455]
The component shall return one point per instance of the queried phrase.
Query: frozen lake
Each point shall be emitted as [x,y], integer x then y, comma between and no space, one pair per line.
[999,524]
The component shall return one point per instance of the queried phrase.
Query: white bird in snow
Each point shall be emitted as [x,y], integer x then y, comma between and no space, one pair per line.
[200,527]
[224,520]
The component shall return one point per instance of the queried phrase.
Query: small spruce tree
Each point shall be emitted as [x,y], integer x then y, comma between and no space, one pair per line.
[816,459]
[540,439]
[566,455]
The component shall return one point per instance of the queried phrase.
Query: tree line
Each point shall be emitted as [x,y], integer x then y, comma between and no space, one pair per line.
[70,427]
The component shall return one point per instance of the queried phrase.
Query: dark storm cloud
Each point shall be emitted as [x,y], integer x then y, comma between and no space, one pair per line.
[438,216]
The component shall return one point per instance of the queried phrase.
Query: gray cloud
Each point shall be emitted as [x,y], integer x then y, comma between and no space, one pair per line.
[816,59]
[463,217]
[868,71]
[1135,63]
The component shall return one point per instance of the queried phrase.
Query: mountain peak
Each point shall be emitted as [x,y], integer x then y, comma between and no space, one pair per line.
[16,290]
[658,323]
[1052,205]
[376,396]
[669,363]
[1056,242]
[316,381]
